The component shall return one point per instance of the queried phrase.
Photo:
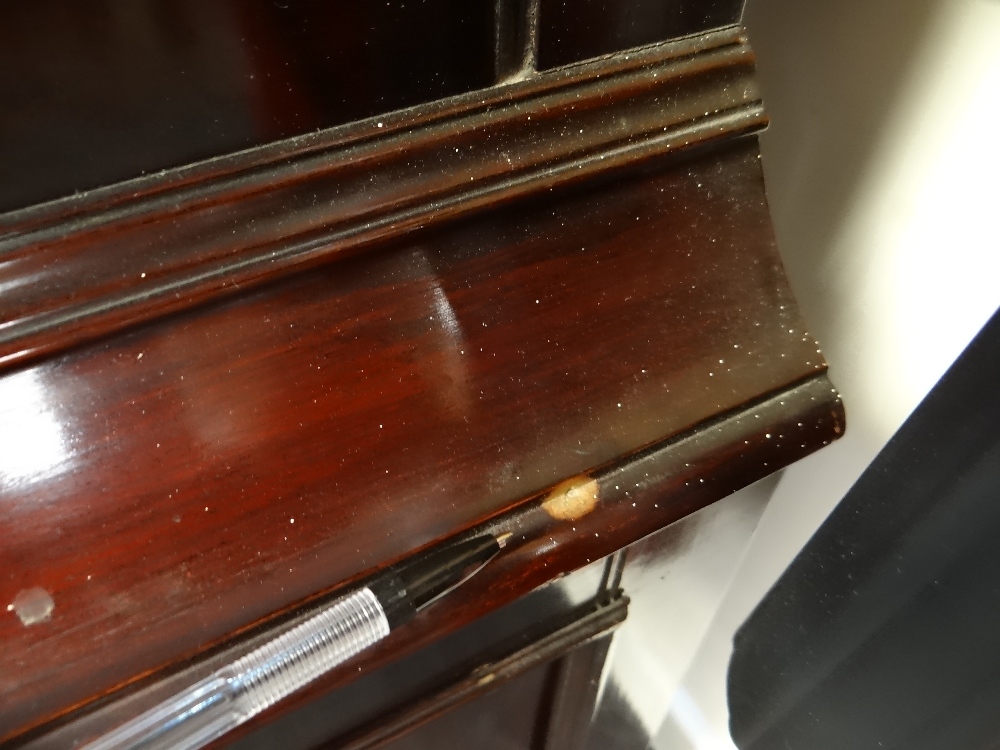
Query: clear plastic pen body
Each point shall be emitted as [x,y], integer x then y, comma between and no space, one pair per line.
[241,690]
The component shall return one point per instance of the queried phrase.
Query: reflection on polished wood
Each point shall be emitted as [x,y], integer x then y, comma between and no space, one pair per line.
[75,270]
[179,483]
[228,391]
[110,90]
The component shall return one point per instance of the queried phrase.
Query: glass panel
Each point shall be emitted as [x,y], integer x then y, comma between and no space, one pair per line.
[94,93]
[513,626]
[574,30]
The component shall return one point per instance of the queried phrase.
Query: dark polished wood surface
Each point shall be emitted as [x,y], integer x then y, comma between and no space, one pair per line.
[111,90]
[194,476]
[633,498]
[82,268]
[534,722]
[518,297]
[512,716]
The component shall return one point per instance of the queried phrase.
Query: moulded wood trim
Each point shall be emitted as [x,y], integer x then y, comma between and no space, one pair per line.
[635,496]
[600,623]
[435,385]
[80,268]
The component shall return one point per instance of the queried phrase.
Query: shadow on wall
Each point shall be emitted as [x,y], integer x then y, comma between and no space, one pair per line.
[878,176]
[832,72]
[879,173]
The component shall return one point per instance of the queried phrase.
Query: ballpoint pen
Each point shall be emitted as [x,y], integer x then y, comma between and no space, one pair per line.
[238,691]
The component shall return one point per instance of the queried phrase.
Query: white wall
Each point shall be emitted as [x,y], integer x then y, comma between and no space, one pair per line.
[882,166]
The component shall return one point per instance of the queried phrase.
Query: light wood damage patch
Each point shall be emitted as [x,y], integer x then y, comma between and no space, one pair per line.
[32,605]
[572,499]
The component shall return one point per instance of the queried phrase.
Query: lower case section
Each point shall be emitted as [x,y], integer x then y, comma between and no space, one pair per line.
[503,606]
[551,680]
[523,676]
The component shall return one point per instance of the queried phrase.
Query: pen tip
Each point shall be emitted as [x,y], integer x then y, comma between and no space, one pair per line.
[502,539]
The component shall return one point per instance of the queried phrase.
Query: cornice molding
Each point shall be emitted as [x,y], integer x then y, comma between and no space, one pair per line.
[84,267]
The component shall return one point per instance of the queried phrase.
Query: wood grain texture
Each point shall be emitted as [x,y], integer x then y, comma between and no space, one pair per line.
[91,98]
[78,269]
[195,476]
[639,495]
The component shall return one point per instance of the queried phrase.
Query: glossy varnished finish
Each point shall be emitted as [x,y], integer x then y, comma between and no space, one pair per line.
[574,30]
[79,269]
[635,497]
[582,633]
[393,693]
[109,90]
[174,485]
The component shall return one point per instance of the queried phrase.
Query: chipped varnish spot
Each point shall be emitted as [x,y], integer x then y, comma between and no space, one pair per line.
[32,606]
[572,499]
